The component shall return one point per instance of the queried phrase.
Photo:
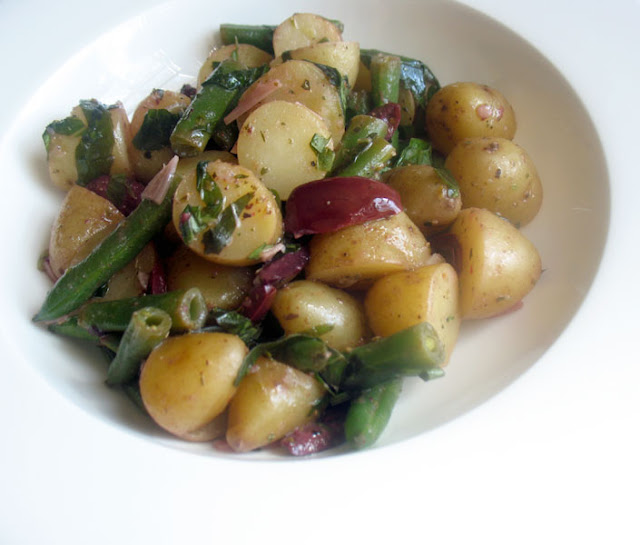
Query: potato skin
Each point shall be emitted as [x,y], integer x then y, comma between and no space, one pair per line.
[497,174]
[355,256]
[465,110]
[499,264]
[428,294]
[272,400]
[221,286]
[187,381]
[303,305]
[428,201]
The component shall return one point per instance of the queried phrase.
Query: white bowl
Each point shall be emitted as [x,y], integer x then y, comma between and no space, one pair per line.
[163,47]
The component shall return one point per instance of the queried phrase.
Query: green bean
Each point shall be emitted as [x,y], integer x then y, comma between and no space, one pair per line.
[260,36]
[122,245]
[217,96]
[385,79]
[71,328]
[369,413]
[186,308]
[415,351]
[360,133]
[371,160]
[147,328]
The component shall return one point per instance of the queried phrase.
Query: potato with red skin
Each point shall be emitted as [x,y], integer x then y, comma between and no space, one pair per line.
[465,110]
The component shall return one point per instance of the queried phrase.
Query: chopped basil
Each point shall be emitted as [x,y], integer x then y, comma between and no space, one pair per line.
[324,154]
[449,180]
[233,322]
[415,152]
[155,130]
[191,223]
[209,191]
[94,155]
[69,126]
[217,238]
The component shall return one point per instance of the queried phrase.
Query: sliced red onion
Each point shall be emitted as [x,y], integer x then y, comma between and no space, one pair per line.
[252,97]
[390,113]
[157,188]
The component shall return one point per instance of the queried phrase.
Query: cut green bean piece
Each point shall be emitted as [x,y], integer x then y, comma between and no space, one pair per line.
[359,134]
[385,79]
[415,351]
[260,36]
[372,160]
[369,413]
[123,244]
[186,308]
[70,328]
[217,97]
[147,328]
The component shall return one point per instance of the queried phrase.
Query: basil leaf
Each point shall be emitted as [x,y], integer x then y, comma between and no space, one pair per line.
[209,191]
[449,180]
[94,155]
[191,223]
[155,130]
[324,154]
[415,152]
[216,239]
[233,322]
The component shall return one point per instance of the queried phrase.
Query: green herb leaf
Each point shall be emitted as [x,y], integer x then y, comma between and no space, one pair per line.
[449,180]
[209,191]
[325,155]
[216,239]
[233,322]
[415,152]
[69,126]
[94,155]
[191,223]
[155,130]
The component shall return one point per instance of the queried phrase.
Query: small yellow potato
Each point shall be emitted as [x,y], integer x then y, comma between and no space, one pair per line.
[427,199]
[428,294]
[246,54]
[146,163]
[303,29]
[272,400]
[499,264]
[275,142]
[259,222]
[63,139]
[303,305]
[83,221]
[355,256]
[187,165]
[466,110]
[343,56]
[188,380]
[303,82]
[221,286]
[497,174]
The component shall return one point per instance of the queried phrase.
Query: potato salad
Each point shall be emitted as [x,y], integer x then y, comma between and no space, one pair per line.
[266,254]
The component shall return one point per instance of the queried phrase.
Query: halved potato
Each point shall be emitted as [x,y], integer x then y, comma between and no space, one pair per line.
[303,29]
[276,142]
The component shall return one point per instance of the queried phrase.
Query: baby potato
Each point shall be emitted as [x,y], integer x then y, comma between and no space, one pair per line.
[147,163]
[83,221]
[303,29]
[221,286]
[428,201]
[428,294]
[355,256]
[497,174]
[343,56]
[465,110]
[499,264]
[302,305]
[231,235]
[275,142]
[272,400]
[187,380]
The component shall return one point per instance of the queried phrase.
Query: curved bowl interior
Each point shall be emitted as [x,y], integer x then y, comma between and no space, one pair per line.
[458,44]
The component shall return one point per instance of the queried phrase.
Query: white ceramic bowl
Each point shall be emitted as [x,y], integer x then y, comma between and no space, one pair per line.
[163,46]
